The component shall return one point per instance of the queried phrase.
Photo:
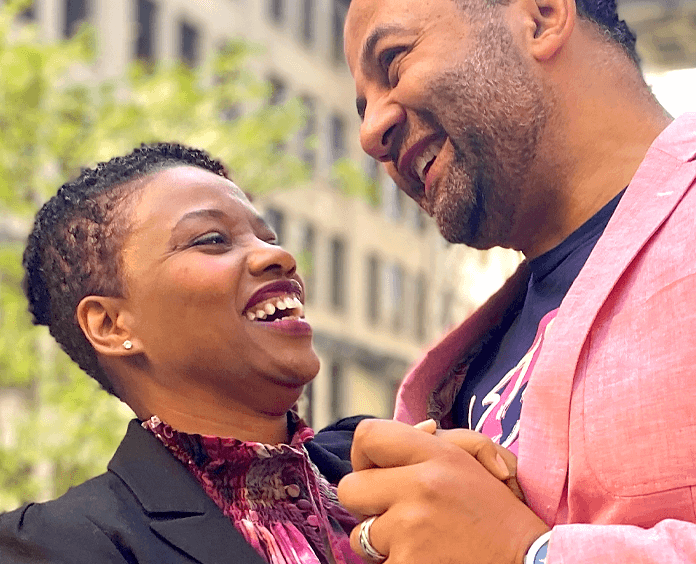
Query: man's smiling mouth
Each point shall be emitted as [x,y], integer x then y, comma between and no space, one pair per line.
[423,162]
[419,158]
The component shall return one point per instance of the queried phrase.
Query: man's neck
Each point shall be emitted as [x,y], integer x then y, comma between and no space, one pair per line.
[599,137]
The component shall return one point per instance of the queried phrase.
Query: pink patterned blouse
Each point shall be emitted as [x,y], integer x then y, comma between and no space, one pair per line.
[273,494]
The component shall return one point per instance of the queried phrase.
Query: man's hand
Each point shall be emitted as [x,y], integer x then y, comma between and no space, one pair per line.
[435,502]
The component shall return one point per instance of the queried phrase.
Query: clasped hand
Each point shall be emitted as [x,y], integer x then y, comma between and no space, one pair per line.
[450,497]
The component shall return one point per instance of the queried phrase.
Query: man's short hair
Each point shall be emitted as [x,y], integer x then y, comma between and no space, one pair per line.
[602,13]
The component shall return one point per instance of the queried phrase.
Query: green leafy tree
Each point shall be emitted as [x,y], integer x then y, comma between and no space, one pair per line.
[52,122]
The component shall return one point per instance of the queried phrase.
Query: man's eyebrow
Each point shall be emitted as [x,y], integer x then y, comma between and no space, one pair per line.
[368,54]
[376,34]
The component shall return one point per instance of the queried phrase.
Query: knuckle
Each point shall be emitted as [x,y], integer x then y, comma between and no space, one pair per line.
[346,490]
[488,450]
[430,485]
[365,429]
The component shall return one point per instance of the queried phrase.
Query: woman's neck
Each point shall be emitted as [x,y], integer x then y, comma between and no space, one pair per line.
[198,414]
[259,429]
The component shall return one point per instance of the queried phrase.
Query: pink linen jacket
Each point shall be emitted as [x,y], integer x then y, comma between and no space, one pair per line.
[607,451]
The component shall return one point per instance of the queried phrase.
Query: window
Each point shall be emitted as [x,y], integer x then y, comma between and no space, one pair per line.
[337,274]
[340,10]
[307,25]
[278,91]
[308,403]
[29,13]
[276,9]
[75,14]
[392,200]
[276,219]
[374,284]
[396,297]
[336,375]
[230,112]
[306,260]
[189,44]
[420,322]
[230,107]
[278,96]
[337,129]
[372,173]
[308,132]
[145,40]
[372,169]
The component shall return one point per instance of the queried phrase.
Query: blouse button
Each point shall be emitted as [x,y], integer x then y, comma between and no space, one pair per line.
[313,521]
[293,490]
[304,505]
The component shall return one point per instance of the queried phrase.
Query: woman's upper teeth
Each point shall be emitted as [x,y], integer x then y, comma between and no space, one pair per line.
[268,307]
[422,161]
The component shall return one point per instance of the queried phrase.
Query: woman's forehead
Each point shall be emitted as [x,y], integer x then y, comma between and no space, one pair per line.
[167,191]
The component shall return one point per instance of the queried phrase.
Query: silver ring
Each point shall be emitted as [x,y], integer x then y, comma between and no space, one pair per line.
[364,539]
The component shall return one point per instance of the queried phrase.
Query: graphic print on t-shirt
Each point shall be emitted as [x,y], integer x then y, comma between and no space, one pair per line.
[502,405]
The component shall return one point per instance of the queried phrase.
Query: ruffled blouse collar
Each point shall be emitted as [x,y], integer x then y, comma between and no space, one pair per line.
[273,494]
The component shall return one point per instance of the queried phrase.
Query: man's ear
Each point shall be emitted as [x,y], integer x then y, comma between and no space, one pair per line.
[550,24]
[103,321]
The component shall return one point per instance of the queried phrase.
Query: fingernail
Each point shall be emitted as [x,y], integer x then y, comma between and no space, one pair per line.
[503,467]
[429,426]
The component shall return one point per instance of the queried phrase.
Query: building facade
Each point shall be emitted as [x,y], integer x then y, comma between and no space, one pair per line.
[381,282]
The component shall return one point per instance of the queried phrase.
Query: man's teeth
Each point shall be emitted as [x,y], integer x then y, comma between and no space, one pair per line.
[268,307]
[422,161]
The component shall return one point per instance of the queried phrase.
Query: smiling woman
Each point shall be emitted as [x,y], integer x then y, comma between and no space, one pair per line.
[157,276]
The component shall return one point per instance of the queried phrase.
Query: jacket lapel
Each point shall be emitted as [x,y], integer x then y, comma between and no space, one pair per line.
[437,364]
[180,511]
[658,186]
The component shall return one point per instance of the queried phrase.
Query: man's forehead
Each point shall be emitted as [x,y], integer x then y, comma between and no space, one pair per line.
[366,15]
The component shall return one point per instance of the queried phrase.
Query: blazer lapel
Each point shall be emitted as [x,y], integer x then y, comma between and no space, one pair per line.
[658,186]
[429,373]
[180,511]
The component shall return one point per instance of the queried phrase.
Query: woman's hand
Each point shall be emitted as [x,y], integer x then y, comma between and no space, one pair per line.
[498,460]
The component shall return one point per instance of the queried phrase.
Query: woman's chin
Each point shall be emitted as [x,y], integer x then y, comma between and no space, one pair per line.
[302,370]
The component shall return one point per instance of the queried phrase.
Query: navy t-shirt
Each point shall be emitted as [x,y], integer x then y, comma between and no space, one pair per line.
[491,398]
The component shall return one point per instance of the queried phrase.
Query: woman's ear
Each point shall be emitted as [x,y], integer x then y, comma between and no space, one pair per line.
[551,23]
[103,321]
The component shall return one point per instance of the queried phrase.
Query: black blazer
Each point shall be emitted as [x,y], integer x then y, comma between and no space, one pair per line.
[146,509]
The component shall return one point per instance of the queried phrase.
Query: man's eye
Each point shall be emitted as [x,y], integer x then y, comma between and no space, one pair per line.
[385,61]
[213,238]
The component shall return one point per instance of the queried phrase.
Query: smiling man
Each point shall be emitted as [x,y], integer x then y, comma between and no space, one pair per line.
[527,124]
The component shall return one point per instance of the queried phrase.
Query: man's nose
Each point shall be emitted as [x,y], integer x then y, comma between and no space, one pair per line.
[379,127]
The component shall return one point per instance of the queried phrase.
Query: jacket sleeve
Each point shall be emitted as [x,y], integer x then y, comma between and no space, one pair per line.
[668,542]
[35,534]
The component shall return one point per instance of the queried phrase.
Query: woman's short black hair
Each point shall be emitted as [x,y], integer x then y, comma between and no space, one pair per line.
[74,247]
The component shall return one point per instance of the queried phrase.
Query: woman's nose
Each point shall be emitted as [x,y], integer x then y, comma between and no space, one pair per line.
[266,258]
[379,127]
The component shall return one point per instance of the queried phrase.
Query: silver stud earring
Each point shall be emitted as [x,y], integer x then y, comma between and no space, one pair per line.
[127,345]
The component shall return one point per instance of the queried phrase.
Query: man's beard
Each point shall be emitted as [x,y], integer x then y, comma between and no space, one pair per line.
[494,111]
